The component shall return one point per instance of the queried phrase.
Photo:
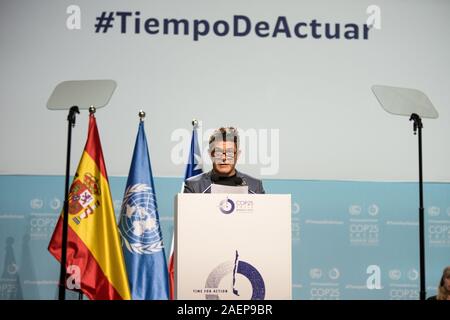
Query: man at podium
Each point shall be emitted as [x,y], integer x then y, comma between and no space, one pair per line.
[224,152]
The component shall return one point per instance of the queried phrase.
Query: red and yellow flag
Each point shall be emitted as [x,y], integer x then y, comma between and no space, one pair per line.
[93,242]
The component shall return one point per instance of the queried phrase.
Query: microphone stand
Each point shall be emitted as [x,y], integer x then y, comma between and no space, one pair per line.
[418,127]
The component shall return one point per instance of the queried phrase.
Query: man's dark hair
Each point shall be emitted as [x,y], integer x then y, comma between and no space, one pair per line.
[224,134]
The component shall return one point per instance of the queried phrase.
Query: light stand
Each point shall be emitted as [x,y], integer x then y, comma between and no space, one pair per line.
[80,94]
[415,104]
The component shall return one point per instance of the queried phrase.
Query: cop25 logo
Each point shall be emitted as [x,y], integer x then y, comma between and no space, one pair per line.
[227,206]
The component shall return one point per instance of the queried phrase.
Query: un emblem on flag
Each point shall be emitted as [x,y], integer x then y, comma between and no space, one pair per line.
[139,225]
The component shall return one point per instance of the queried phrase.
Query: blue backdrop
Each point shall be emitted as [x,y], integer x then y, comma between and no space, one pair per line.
[350,240]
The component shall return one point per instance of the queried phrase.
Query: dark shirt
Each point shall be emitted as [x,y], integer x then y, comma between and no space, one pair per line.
[202,183]
[226,181]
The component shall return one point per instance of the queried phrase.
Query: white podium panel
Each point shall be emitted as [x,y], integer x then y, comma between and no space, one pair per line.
[235,246]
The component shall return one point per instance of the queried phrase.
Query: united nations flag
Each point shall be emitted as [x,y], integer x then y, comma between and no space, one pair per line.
[140,230]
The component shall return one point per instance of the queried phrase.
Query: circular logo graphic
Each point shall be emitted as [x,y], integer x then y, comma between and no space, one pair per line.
[373,210]
[395,274]
[434,211]
[12,268]
[354,210]
[413,274]
[315,273]
[334,274]
[55,204]
[227,206]
[36,203]
[139,225]
[295,208]
[243,268]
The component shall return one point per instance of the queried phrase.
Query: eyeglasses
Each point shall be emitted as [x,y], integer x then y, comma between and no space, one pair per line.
[229,153]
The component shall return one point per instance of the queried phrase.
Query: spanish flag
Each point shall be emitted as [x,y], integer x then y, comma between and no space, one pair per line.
[93,242]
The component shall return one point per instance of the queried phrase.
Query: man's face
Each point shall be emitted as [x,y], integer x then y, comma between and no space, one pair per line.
[224,157]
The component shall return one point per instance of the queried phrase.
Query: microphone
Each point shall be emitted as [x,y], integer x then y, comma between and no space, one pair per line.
[244,183]
[209,187]
[214,178]
[239,181]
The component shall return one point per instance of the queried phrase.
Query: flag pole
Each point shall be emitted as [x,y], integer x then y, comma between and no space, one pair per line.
[63,271]
[418,127]
[92,110]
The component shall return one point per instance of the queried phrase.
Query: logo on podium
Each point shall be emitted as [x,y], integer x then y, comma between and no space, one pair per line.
[214,288]
[227,206]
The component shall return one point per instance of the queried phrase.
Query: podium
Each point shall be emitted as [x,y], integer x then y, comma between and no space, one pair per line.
[233,247]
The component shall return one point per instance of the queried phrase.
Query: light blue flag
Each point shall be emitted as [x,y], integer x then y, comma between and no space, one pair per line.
[140,229]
